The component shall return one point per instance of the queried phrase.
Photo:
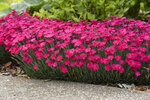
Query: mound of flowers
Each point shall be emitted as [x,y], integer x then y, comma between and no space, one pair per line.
[115,50]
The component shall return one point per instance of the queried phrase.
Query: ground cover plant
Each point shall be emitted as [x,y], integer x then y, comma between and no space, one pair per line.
[111,51]
[4,9]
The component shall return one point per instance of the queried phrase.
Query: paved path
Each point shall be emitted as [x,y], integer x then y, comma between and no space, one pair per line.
[17,88]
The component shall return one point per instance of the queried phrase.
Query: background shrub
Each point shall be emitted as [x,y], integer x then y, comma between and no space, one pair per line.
[5,6]
[77,10]
[20,5]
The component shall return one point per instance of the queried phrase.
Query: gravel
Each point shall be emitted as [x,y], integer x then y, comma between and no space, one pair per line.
[18,88]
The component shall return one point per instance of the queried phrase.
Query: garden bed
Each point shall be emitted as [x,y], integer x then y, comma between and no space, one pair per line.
[112,51]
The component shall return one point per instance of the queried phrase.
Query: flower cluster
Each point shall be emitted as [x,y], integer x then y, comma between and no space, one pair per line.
[116,43]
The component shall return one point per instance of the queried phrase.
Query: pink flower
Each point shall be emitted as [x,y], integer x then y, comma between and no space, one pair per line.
[148,56]
[132,55]
[90,65]
[53,56]
[95,67]
[49,40]
[116,42]
[149,65]
[35,66]
[64,70]
[25,52]
[81,63]
[121,62]
[55,64]
[119,68]
[59,58]
[110,50]
[66,62]
[63,45]
[83,56]
[39,55]
[91,52]
[77,63]
[88,50]
[51,49]
[50,63]
[56,52]
[137,73]
[107,67]
[113,66]
[61,66]
[106,61]
[90,58]
[25,57]
[118,57]
[42,44]
[46,55]
[110,57]
[96,57]
[72,64]
[29,60]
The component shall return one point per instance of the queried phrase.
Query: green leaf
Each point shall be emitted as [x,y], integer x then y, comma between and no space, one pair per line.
[19,6]
[142,6]
[3,5]
[33,2]
[47,7]
[5,11]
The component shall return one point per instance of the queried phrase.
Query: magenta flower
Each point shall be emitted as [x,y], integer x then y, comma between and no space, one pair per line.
[59,58]
[118,57]
[90,65]
[61,66]
[55,64]
[66,62]
[72,64]
[53,56]
[121,62]
[137,73]
[107,67]
[95,67]
[64,70]
[25,57]
[29,60]
[35,66]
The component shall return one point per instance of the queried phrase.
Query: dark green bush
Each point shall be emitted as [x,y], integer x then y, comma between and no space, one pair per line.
[4,55]
[142,10]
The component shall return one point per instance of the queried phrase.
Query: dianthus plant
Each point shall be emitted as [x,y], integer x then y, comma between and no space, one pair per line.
[116,48]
